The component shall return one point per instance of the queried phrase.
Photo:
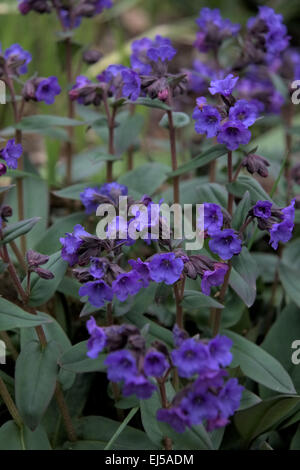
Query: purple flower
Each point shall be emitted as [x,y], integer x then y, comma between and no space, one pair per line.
[155,364]
[229,398]
[11,153]
[161,49]
[219,348]
[165,267]
[207,121]
[216,423]
[273,30]
[98,292]
[121,365]
[71,244]
[213,278]
[139,386]
[289,212]
[262,209]
[102,4]
[213,29]
[191,358]
[139,60]
[179,335]
[89,199]
[199,405]
[131,84]
[243,111]
[97,340]
[142,270]
[281,232]
[213,218]
[96,268]
[233,134]
[225,86]
[174,417]
[126,284]
[47,90]
[68,22]
[15,53]
[113,191]
[225,243]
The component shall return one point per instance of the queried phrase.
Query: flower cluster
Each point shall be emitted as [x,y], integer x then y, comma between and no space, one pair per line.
[10,154]
[278,222]
[41,89]
[229,123]
[70,12]
[15,60]
[208,398]
[213,30]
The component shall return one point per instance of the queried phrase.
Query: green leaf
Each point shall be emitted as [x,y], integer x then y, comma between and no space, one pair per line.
[248,400]
[295,443]
[35,379]
[50,243]
[12,316]
[259,365]
[43,289]
[149,103]
[241,211]
[33,185]
[95,431]
[121,428]
[41,121]
[128,131]
[179,120]
[53,332]
[243,276]
[194,300]
[13,231]
[145,179]
[71,192]
[14,438]
[289,276]
[212,192]
[247,183]
[264,416]
[279,340]
[201,160]
[76,360]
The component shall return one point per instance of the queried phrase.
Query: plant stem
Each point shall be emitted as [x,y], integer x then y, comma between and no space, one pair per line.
[178,293]
[230,179]
[18,255]
[60,399]
[164,402]
[217,313]
[10,404]
[71,113]
[172,134]
[111,116]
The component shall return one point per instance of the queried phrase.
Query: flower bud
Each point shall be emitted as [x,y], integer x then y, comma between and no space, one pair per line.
[91,56]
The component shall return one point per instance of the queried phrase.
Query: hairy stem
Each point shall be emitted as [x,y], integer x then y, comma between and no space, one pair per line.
[71,113]
[164,402]
[111,117]
[60,399]
[4,393]
[172,134]
[230,179]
